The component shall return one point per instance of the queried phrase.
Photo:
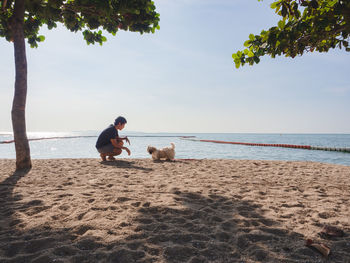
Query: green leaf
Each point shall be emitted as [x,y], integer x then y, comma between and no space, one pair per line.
[284,11]
[281,24]
[250,54]
[247,43]
[273,5]
[305,25]
[256,60]
[314,4]
[41,38]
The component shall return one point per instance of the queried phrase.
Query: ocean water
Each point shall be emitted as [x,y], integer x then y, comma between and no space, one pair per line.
[84,147]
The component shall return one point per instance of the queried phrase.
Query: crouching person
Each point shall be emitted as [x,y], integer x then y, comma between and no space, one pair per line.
[109,143]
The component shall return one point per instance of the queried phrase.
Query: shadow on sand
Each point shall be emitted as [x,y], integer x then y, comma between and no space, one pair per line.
[198,228]
[125,164]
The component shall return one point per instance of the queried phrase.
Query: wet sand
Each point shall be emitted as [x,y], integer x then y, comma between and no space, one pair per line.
[137,210]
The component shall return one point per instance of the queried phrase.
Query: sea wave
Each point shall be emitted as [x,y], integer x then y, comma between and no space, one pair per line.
[82,145]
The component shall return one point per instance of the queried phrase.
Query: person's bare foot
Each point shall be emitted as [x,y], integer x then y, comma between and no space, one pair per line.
[111,158]
[103,157]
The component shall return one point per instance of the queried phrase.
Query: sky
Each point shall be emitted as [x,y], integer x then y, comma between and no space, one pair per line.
[180,79]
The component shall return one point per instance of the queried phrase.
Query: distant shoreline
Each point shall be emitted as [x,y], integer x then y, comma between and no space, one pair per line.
[137,132]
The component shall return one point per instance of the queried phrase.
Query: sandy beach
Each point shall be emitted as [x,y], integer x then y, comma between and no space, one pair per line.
[137,210]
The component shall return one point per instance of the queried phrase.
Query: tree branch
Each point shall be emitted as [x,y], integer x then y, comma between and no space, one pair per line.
[4,5]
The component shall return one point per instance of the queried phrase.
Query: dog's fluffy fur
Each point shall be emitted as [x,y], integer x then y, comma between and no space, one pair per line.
[167,153]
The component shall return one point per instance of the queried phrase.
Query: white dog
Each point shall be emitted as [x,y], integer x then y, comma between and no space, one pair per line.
[167,153]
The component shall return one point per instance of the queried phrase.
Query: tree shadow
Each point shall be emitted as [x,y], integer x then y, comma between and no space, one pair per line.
[214,229]
[8,199]
[194,228]
[217,229]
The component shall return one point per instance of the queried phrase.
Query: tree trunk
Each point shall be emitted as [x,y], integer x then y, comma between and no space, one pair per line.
[23,160]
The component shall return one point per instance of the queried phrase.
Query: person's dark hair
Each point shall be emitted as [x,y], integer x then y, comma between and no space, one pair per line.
[120,119]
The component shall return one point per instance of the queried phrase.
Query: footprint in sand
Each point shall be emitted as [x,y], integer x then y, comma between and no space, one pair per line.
[64,207]
[136,204]
[80,216]
[82,229]
[64,195]
[122,199]
[326,215]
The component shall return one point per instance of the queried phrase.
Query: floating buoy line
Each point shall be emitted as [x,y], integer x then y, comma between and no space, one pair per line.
[306,147]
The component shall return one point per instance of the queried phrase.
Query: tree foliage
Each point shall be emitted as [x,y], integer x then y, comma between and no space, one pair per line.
[306,26]
[22,19]
[89,16]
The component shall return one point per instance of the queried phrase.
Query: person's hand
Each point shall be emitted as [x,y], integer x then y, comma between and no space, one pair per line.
[128,151]
[127,140]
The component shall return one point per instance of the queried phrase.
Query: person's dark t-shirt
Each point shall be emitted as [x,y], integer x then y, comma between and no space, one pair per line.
[106,136]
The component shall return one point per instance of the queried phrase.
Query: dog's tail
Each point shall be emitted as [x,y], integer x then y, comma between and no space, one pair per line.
[172,145]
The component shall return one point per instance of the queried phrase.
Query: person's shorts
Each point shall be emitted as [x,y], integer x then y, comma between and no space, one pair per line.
[106,148]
